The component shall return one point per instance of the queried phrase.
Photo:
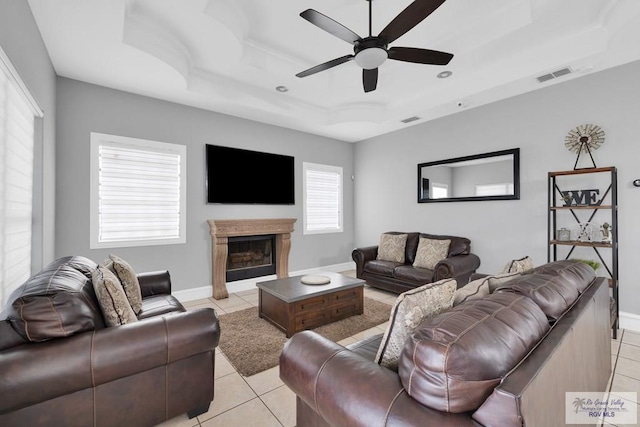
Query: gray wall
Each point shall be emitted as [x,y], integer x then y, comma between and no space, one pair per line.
[83,108]
[21,41]
[536,122]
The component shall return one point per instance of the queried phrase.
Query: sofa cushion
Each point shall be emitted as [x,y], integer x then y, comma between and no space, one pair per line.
[59,301]
[411,308]
[384,268]
[430,252]
[411,274]
[129,280]
[113,301]
[578,273]
[392,247]
[518,265]
[453,361]
[475,289]
[554,293]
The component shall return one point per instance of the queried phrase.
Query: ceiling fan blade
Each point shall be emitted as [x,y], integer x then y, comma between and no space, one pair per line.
[419,56]
[330,26]
[370,79]
[325,66]
[414,14]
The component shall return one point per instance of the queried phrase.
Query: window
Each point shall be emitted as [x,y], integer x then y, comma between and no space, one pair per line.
[18,111]
[322,195]
[138,192]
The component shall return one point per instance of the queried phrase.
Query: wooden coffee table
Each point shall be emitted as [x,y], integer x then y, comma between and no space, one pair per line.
[293,306]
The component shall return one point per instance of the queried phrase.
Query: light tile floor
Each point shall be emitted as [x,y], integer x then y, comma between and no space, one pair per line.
[263,399]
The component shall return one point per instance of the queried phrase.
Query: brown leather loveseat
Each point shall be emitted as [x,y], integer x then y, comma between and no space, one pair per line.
[502,360]
[60,365]
[399,277]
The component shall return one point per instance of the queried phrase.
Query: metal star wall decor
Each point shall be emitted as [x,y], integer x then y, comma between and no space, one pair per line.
[584,139]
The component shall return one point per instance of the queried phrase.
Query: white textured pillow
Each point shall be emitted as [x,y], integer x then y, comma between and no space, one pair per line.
[472,290]
[409,310]
[518,266]
[430,252]
[114,304]
[391,247]
[129,280]
[500,279]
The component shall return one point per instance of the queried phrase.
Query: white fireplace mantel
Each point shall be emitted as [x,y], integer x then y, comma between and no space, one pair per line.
[222,229]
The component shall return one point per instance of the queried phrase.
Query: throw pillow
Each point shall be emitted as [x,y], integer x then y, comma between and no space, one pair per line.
[129,280]
[409,310]
[475,289]
[391,247]
[113,301]
[430,252]
[500,279]
[518,265]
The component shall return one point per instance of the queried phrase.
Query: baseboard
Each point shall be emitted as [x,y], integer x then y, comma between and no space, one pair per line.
[248,284]
[629,321]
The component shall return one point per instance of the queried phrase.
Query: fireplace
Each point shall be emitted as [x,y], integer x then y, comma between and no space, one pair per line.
[250,256]
[225,230]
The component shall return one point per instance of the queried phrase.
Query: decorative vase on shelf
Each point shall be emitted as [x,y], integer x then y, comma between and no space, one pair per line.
[564,235]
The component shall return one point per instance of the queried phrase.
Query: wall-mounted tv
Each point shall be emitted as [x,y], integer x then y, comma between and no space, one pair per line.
[237,176]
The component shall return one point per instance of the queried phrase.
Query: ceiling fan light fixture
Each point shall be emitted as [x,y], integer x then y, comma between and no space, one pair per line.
[371,58]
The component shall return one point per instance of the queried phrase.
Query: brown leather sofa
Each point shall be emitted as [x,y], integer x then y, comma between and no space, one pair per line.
[60,365]
[504,360]
[400,277]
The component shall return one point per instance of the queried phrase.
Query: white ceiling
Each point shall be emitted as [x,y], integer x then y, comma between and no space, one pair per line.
[230,55]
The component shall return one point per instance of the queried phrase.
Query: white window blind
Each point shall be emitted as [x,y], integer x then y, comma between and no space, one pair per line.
[139,192]
[17,114]
[439,191]
[322,198]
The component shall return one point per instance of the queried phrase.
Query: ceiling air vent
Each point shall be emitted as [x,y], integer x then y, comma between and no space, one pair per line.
[555,74]
[410,119]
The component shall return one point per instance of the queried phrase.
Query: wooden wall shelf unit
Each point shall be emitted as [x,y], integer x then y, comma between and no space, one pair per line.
[567,181]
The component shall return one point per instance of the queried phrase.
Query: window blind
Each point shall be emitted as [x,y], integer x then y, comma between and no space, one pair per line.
[138,192]
[17,117]
[322,198]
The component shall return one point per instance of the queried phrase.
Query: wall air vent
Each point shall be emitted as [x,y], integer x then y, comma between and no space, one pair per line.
[410,119]
[555,74]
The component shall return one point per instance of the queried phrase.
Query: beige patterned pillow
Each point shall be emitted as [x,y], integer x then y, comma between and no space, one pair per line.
[409,310]
[518,265]
[115,306]
[472,290]
[129,280]
[430,252]
[391,247]
[500,279]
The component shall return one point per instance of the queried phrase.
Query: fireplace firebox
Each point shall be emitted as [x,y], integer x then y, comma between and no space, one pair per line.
[250,256]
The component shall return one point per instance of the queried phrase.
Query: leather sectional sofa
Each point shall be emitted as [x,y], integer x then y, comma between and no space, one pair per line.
[60,365]
[396,277]
[502,360]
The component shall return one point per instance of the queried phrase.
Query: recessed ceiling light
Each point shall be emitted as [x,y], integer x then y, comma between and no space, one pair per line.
[444,74]
[282,89]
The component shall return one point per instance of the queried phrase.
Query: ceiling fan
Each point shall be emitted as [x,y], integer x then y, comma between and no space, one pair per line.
[371,52]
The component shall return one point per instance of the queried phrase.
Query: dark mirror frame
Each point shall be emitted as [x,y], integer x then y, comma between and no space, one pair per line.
[424,198]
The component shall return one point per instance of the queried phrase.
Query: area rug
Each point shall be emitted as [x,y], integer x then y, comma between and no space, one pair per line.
[253,345]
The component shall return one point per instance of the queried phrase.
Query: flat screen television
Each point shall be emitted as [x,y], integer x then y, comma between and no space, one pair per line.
[237,176]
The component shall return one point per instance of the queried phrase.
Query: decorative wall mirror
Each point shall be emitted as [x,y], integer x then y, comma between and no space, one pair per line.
[488,176]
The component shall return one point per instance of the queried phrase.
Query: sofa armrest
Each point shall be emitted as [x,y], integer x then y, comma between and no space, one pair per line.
[345,389]
[456,266]
[97,357]
[155,283]
[361,255]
